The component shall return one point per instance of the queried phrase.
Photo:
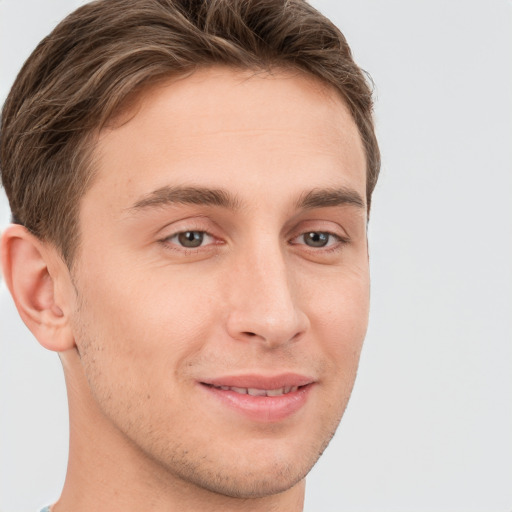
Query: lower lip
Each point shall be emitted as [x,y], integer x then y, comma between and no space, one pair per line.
[262,408]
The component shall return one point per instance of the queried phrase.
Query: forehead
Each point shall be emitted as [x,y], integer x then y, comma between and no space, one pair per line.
[230,128]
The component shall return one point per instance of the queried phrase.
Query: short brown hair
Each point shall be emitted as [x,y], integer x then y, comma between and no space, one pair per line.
[80,75]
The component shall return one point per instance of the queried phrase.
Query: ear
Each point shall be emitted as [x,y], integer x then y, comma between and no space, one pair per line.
[39,283]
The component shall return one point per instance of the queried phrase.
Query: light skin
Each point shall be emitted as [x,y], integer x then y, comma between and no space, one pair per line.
[223,245]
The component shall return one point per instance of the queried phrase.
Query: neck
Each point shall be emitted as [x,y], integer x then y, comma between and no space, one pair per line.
[108,473]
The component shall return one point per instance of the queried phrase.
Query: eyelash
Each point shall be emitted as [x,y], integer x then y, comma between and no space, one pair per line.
[167,241]
[336,245]
[337,242]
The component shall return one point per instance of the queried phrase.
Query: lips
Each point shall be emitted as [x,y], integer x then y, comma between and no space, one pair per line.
[260,392]
[261,398]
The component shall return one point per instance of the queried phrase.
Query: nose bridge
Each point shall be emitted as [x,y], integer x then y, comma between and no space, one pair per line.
[264,302]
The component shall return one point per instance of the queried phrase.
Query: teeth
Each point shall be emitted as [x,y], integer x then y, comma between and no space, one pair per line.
[275,392]
[260,392]
[256,392]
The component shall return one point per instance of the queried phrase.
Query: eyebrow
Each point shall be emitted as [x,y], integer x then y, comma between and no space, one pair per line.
[323,198]
[316,198]
[187,195]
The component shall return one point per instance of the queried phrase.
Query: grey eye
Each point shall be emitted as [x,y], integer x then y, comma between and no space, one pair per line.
[316,239]
[191,239]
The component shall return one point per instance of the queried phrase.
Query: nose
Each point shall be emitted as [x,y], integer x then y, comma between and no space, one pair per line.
[265,303]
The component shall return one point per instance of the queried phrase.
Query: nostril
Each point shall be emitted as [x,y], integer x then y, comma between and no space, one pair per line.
[249,333]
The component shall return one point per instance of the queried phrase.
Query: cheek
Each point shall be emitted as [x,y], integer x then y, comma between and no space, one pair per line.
[135,343]
[141,329]
[339,314]
[340,324]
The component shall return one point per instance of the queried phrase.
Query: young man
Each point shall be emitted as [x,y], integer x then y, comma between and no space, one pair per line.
[190,185]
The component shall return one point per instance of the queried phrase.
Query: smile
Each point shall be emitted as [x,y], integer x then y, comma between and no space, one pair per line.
[259,392]
[261,399]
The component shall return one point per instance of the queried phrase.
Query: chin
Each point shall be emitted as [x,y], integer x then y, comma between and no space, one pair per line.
[252,485]
[261,470]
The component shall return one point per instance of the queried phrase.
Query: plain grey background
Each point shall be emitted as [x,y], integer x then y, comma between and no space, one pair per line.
[429,425]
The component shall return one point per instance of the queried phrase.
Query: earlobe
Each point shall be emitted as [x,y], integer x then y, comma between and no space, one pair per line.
[32,281]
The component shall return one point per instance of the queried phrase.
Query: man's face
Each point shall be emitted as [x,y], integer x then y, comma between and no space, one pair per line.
[222,279]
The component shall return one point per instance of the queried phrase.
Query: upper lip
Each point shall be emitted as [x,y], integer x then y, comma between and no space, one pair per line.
[260,381]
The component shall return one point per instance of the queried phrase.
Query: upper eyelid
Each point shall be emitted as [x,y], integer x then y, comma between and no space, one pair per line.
[297,233]
[187,230]
[190,224]
[319,226]
[210,227]
[194,223]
